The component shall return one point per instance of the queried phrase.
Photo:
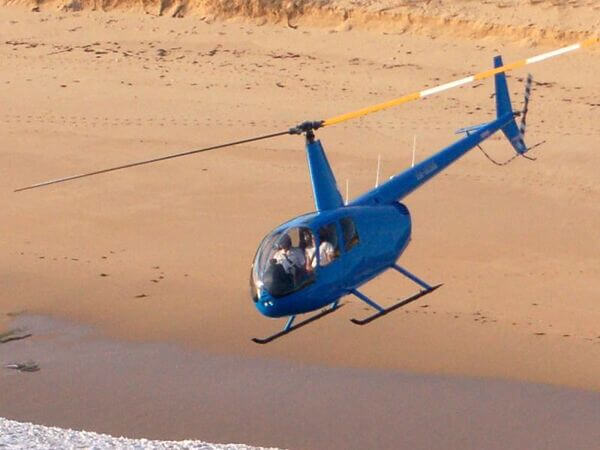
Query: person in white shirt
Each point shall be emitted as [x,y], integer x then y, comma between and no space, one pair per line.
[327,251]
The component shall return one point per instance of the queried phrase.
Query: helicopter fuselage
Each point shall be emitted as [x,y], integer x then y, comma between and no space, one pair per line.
[381,233]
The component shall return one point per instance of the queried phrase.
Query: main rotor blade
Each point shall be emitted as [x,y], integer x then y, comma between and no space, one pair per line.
[306,127]
[148,161]
[479,76]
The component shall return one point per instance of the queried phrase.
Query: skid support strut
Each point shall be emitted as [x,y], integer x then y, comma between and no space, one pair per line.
[367,300]
[289,327]
[427,289]
[412,277]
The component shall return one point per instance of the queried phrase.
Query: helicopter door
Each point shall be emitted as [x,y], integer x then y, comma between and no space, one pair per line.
[328,257]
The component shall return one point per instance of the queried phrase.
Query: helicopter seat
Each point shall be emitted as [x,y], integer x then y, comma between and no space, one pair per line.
[277,280]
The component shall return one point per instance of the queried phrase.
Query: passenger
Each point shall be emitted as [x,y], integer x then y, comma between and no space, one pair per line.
[307,244]
[327,251]
[291,258]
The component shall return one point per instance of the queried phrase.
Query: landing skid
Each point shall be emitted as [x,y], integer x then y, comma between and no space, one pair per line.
[381,311]
[290,328]
[404,302]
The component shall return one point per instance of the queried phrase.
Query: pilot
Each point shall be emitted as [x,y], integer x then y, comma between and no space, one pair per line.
[291,258]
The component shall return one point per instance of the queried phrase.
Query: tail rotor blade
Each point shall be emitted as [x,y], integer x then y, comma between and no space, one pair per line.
[525,105]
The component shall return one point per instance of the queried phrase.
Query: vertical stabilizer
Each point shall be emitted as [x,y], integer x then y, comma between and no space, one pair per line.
[503,107]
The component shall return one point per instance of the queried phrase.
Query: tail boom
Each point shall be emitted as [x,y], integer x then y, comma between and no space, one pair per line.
[406,182]
[403,184]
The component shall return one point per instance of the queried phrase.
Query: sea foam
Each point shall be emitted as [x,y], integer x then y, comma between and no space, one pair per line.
[17,435]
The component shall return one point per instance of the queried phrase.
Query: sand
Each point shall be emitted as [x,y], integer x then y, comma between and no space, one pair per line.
[163,252]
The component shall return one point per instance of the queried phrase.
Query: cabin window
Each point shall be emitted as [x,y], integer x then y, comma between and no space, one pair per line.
[328,244]
[350,233]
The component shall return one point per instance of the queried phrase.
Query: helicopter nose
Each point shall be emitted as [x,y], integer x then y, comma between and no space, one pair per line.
[266,305]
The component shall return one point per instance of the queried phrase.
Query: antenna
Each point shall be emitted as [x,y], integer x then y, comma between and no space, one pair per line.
[347,183]
[378,168]
[414,149]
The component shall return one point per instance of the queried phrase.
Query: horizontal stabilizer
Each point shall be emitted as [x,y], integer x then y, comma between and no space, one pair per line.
[471,129]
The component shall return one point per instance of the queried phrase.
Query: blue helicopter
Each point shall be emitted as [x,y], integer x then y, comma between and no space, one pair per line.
[310,262]
[313,260]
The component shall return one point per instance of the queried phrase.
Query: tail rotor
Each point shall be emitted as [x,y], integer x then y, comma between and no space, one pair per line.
[523,124]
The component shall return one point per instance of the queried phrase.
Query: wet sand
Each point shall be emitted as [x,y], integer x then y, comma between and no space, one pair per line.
[164,391]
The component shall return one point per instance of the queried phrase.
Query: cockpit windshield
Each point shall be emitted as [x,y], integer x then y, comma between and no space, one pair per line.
[284,262]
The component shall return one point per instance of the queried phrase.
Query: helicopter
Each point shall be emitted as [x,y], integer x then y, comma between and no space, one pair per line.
[310,262]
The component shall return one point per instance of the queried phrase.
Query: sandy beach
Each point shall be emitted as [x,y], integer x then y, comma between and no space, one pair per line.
[162,253]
